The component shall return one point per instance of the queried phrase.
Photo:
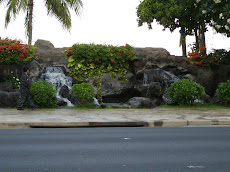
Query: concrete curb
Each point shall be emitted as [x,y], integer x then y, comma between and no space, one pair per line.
[158,123]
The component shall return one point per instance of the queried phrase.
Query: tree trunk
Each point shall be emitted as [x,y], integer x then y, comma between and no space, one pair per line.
[197,39]
[30,27]
[183,42]
[202,36]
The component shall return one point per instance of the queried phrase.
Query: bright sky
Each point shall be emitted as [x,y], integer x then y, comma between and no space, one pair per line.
[102,22]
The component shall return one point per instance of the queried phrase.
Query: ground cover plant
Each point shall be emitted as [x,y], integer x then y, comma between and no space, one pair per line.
[197,106]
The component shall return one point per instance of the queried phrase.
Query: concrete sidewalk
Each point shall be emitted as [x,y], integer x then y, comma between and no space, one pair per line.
[157,117]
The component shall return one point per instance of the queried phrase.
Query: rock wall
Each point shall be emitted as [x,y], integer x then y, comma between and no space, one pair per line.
[148,77]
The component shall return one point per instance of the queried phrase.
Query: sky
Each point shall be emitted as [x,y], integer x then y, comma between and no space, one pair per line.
[103,22]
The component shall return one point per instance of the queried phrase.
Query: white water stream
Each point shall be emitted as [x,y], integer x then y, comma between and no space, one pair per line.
[56,76]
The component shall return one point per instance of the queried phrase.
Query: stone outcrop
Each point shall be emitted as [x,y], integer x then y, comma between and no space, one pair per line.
[148,78]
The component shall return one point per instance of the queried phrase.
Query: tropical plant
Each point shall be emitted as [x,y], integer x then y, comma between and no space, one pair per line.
[200,58]
[14,52]
[184,92]
[90,60]
[223,92]
[43,94]
[83,93]
[60,9]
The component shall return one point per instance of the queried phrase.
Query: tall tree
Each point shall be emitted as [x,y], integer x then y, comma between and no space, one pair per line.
[58,8]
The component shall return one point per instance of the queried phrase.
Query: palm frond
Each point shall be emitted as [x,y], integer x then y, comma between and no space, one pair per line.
[60,10]
[26,24]
[13,9]
[76,5]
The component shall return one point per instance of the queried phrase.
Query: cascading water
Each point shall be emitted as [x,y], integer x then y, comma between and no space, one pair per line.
[57,78]
[145,80]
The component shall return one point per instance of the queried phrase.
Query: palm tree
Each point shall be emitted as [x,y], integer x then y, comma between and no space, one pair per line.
[58,8]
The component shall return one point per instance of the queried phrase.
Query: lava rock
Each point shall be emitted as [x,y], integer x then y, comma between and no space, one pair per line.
[61,102]
[155,89]
[6,87]
[115,105]
[64,92]
[9,99]
[141,102]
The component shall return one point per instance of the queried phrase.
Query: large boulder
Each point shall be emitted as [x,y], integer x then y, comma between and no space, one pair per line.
[6,86]
[116,90]
[50,56]
[64,92]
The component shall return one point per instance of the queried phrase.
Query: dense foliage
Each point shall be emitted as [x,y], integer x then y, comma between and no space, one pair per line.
[90,60]
[191,16]
[184,92]
[84,94]
[14,52]
[217,13]
[223,92]
[43,94]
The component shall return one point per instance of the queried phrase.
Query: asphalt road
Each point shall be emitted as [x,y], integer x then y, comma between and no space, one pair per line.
[115,150]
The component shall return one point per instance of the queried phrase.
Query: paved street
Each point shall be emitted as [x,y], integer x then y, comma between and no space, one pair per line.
[116,149]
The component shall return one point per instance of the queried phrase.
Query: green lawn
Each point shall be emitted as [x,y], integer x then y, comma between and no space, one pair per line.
[204,106]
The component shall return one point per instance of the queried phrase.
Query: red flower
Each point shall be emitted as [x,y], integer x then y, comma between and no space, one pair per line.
[22,55]
[112,61]
[211,61]
[120,54]
[25,51]
[98,60]
[90,60]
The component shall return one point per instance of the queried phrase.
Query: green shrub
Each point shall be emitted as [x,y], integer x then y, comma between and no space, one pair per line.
[223,92]
[84,93]
[184,92]
[43,94]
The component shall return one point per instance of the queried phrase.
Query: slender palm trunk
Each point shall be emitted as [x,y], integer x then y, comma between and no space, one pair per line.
[30,8]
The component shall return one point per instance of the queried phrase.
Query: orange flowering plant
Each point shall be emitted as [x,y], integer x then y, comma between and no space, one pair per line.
[90,60]
[14,52]
[216,57]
